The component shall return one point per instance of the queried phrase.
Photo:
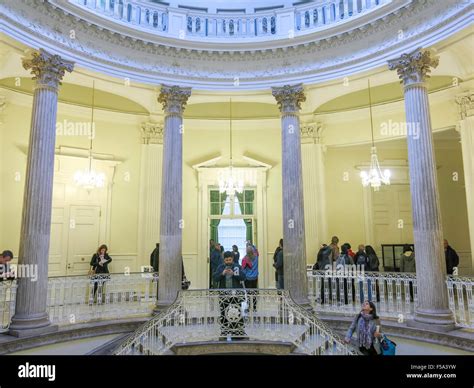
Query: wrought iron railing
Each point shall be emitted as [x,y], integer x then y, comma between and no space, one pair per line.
[198,23]
[229,315]
[394,294]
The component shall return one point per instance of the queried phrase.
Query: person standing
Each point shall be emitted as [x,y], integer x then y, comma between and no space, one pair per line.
[452,258]
[367,326]
[216,260]
[361,258]
[408,264]
[229,275]
[5,258]
[250,267]
[278,265]
[155,258]
[99,269]
[372,258]
[374,267]
[236,253]
[334,249]
[275,255]
[407,259]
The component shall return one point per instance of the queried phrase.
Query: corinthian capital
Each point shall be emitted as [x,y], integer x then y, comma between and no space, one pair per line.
[414,67]
[465,102]
[174,98]
[152,133]
[289,97]
[47,69]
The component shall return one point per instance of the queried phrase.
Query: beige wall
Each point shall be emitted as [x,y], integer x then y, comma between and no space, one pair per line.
[118,135]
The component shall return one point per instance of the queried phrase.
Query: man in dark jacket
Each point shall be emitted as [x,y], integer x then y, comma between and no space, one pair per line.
[452,258]
[278,265]
[361,258]
[216,260]
[155,258]
[229,275]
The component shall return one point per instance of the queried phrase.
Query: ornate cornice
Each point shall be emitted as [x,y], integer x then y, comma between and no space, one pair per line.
[465,102]
[151,132]
[414,67]
[39,24]
[289,98]
[174,98]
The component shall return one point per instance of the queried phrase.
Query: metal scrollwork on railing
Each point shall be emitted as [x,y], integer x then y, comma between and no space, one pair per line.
[230,315]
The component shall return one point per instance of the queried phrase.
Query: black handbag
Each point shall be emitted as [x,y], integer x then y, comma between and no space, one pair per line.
[185,284]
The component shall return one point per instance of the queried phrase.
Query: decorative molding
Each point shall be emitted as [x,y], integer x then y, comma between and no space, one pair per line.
[151,132]
[42,24]
[48,69]
[465,102]
[414,67]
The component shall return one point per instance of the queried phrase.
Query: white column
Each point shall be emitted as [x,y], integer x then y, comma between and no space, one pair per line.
[314,189]
[31,315]
[432,311]
[466,129]
[289,99]
[174,99]
[150,189]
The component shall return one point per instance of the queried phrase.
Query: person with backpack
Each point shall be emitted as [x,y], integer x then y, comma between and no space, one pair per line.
[372,258]
[367,326]
[323,263]
[343,260]
[361,260]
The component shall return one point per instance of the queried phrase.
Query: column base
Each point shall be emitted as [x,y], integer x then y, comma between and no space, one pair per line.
[439,320]
[161,306]
[31,326]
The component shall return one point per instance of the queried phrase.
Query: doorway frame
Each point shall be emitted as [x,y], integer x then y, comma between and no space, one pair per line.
[256,178]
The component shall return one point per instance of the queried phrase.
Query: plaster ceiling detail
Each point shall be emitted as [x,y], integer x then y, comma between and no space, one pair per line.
[424,22]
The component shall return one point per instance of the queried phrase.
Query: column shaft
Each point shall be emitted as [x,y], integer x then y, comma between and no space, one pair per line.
[30,311]
[432,309]
[294,245]
[171,224]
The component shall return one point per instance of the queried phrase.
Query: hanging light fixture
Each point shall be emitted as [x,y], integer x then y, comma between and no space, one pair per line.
[228,183]
[374,177]
[89,179]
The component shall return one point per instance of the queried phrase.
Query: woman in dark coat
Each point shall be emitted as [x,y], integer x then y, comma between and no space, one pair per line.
[100,260]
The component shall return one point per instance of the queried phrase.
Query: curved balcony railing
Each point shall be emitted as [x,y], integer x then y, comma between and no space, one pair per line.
[80,299]
[185,23]
[72,299]
[394,294]
[254,315]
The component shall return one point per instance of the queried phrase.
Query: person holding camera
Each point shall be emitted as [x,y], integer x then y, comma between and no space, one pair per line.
[229,275]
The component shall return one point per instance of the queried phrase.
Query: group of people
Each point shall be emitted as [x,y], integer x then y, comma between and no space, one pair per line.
[365,256]
[226,270]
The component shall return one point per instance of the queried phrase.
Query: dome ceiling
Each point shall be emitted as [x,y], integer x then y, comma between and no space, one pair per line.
[126,50]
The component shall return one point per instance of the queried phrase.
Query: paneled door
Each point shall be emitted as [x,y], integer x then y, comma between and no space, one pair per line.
[392,217]
[83,241]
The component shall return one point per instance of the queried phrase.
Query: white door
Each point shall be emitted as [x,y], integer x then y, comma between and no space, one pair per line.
[84,231]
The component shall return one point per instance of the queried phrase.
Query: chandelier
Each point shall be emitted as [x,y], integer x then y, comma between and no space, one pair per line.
[228,182]
[88,178]
[374,177]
